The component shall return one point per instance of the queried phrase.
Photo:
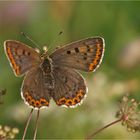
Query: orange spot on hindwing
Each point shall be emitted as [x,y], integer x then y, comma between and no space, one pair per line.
[35,103]
[72,101]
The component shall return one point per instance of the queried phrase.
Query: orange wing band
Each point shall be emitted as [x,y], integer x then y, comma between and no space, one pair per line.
[71,101]
[97,59]
[12,60]
[35,103]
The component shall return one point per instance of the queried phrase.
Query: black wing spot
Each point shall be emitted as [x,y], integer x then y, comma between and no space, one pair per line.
[76,50]
[33,102]
[68,52]
[70,102]
[75,101]
[85,54]
[23,52]
[88,50]
[28,53]
[85,58]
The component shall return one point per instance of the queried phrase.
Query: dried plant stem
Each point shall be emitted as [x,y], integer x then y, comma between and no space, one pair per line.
[36,125]
[27,123]
[101,129]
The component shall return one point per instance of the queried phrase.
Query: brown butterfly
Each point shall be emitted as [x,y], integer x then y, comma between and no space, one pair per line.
[55,75]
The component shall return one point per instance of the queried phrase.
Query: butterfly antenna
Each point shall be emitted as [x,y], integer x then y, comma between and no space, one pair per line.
[60,33]
[27,124]
[27,37]
[36,125]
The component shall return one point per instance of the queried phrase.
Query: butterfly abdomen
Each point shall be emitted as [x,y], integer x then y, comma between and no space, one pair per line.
[49,81]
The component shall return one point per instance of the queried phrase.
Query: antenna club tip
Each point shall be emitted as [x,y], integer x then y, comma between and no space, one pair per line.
[45,48]
[61,32]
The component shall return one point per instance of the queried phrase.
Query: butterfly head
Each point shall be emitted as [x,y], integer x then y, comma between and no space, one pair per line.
[44,54]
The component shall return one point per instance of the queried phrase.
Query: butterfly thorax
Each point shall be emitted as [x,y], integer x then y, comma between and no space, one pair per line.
[47,69]
[46,66]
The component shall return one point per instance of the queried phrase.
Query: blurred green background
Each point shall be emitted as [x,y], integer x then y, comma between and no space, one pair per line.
[117,22]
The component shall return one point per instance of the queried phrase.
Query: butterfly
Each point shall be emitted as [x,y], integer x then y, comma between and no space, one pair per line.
[55,75]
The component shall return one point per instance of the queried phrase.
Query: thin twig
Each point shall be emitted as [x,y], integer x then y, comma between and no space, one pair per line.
[101,129]
[36,125]
[27,123]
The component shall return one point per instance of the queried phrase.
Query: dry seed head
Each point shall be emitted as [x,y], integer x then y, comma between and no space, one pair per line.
[15,130]
[11,135]
[7,128]
[7,132]
[129,113]
[1,132]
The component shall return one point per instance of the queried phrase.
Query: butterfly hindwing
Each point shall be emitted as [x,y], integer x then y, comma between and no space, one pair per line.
[34,91]
[21,56]
[70,88]
[83,55]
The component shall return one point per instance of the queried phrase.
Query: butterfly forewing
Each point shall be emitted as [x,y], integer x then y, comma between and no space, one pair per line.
[21,57]
[34,91]
[83,55]
[70,88]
